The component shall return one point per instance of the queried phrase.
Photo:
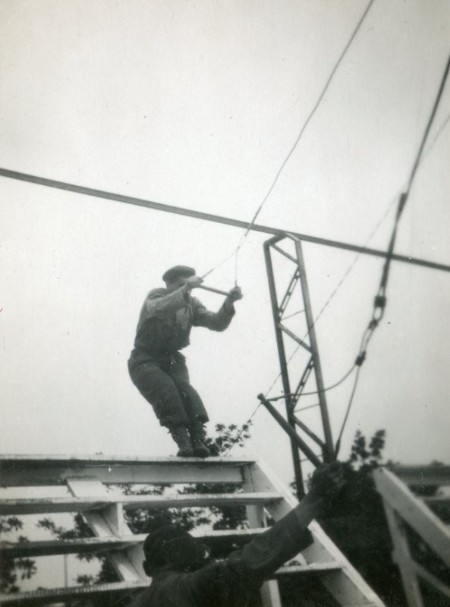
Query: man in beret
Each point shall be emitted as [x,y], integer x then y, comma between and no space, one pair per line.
[184,575]
[156,365]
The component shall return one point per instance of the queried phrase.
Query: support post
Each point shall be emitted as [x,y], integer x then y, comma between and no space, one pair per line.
[283,365]
[328,450]
[300,444]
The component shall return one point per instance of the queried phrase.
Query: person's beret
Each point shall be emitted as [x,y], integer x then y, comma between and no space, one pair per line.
[176,271]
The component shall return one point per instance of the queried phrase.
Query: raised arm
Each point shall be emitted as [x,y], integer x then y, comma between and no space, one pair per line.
[220,320]
[260,558]
[267,552]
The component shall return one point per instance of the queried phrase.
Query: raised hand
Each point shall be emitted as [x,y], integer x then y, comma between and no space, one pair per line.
[328,480]
[234,294]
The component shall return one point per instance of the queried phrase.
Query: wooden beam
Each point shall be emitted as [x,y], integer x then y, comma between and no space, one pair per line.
[402,557]
[83,504]
[157,206]
[414,512]
[84,545]
[56,595]
[345,584]
[103,523]
[33,470]
[112,542]
[256,516]
[432,580]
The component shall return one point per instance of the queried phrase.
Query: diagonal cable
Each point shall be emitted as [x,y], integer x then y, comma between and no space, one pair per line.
[296,142]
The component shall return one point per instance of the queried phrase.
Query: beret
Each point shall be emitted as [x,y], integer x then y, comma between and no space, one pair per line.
[156,541]
[172,273]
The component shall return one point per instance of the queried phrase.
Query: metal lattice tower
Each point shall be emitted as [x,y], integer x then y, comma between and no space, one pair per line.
[307,371]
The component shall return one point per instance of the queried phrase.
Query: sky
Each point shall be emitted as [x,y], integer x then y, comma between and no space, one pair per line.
[197,104]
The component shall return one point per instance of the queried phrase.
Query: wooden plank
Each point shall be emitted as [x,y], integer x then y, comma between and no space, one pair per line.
[432,579]
[42,597]
[402,556]
[109,520]
[270,592]
[414,512]
[104,459]
[309,569]
[58,595]
[111,543]
[345,584]
[84,504]
[31,470]
[81,545]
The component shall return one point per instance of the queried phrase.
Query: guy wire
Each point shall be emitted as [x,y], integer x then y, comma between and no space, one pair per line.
[294,146]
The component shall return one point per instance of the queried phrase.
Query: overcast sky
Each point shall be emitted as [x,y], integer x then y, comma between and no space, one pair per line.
[196,104]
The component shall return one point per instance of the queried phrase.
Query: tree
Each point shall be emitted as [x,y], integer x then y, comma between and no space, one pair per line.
[11,570]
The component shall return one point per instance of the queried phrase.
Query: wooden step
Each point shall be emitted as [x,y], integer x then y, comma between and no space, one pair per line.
[107,544]
[29,470]
[56,595]
[79,545]
[73,504]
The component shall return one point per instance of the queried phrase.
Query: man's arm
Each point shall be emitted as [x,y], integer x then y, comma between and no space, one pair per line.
[159,300]
[220,320]
[267,552]
[261,557]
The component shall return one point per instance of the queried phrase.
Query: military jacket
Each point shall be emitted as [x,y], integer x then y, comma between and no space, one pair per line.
[233,582]
[166,320]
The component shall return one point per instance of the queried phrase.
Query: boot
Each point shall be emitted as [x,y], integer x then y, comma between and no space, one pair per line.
[181,437]
[198,437]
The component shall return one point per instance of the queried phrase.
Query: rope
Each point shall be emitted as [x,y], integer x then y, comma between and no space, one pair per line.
[355,385]
[435,138]
[333,294]
[428,127]
[380,298]
[295,144]
[240,433]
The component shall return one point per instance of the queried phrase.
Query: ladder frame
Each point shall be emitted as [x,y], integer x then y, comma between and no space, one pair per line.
[402,507]
[87,478]
[308,342]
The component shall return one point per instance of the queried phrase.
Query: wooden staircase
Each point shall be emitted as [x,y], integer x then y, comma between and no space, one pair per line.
[91,488]
[416,500]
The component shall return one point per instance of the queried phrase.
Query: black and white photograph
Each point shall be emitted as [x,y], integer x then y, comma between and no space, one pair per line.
[225,290]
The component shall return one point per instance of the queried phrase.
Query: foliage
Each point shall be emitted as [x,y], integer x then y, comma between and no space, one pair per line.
[79,530]
[13,570]
[356,521]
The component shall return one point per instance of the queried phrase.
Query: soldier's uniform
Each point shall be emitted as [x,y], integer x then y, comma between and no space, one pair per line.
[233,582]
[156,365]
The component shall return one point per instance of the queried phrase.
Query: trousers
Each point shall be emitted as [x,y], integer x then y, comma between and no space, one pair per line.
[163,380]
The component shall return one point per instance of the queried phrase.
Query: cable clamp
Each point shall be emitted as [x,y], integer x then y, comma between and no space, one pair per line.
[379,301]
[360,359]
[402,202]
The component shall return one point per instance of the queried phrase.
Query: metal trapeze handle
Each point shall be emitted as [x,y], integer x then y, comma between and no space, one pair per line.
[212,290]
